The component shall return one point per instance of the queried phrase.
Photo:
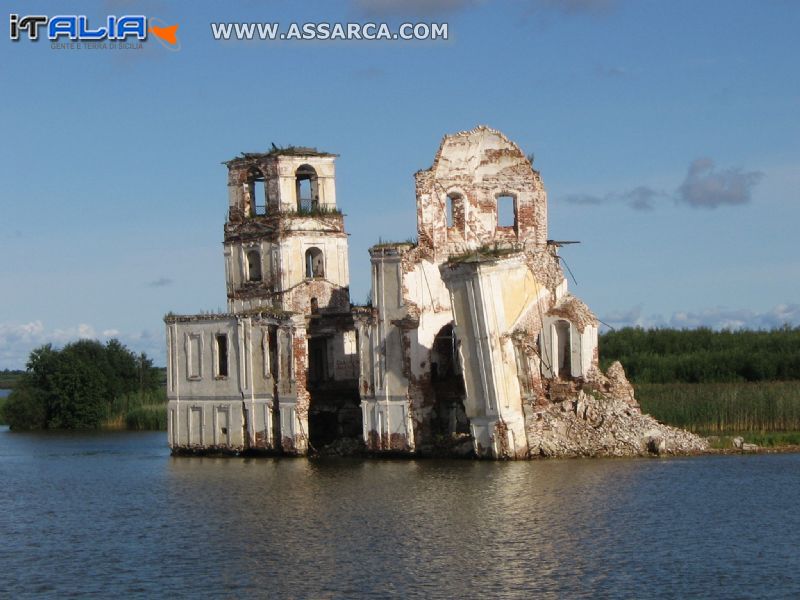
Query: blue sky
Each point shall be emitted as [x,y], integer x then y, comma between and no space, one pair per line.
[666,134]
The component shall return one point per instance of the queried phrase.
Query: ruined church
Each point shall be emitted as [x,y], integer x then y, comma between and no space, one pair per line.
[471,344]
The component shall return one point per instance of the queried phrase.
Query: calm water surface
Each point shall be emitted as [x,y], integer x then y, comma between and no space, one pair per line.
[113,514]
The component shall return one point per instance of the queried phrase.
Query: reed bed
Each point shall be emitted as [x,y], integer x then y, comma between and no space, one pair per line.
[139,411]
[724,408]
[150,417]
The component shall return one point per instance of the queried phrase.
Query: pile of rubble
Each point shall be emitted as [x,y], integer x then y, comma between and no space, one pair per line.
[600,417]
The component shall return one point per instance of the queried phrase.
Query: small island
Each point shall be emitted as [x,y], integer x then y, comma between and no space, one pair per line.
[86,385]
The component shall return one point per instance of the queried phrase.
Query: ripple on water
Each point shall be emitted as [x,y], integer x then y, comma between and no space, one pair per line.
[114,514]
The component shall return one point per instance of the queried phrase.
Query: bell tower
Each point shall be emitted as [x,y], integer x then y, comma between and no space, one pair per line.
[285,245]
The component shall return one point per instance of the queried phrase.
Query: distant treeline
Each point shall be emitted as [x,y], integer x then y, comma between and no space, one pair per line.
[82,386]
[703,355]
[9,378]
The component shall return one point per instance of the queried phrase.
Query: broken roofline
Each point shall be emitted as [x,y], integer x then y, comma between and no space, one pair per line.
[279,151]
[468,132]
[261,311]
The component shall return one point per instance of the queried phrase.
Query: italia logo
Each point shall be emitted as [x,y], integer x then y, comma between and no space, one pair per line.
[77,28]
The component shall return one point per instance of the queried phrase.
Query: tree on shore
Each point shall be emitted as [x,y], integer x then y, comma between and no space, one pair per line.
[73,388]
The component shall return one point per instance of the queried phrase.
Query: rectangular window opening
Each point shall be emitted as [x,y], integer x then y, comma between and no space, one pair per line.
[506,211]
[222,355]
[449,211]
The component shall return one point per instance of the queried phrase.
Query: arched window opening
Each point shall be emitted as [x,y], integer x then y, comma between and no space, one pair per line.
[307,191]
[257,193]
[315,264]
[254,265]
[314,306]
[506,211]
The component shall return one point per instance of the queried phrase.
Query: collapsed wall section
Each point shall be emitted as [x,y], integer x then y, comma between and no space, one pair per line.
[599,416]
[530,361]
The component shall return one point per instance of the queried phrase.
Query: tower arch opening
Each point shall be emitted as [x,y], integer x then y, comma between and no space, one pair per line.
[257,193]
[306,188]
[315,263]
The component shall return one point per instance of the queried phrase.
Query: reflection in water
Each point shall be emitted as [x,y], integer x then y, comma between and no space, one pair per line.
[115,514]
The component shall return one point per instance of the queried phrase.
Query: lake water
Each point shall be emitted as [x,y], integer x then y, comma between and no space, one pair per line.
[4,393]
[113,514]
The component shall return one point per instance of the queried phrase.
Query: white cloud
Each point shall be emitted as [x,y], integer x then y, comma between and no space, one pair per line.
[714,318]
[18,339]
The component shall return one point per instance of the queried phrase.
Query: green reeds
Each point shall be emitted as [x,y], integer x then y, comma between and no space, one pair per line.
[724,408]
[139,411]
[150,417]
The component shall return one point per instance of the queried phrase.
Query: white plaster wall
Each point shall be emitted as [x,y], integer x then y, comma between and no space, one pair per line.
[242,402]
[582,343]
[208,384]
[237,265]
[488,355]
[292,256]
[391,382]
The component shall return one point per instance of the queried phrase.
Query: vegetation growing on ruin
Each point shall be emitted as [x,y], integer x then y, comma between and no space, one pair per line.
[80,386]
[486,252]
[410,241]
[290,150]
[320,210]
[703,355]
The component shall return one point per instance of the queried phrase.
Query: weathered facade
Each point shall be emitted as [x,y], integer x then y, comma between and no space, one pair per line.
[245,380]
[472,344]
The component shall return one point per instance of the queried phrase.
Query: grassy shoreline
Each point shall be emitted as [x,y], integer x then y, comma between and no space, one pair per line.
[764,440]
[763,413]
[137,411]
[724,408]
